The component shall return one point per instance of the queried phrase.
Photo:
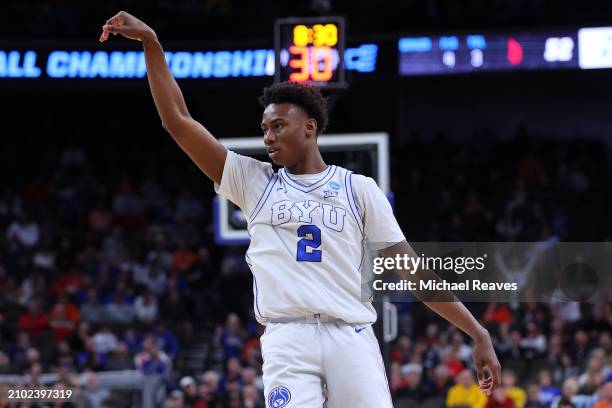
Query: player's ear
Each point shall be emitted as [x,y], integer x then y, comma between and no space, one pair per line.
[311,127]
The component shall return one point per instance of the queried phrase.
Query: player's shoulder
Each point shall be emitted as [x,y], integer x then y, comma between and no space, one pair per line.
[360,182]
[250,164]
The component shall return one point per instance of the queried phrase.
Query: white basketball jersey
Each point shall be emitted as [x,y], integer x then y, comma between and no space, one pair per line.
[308,237]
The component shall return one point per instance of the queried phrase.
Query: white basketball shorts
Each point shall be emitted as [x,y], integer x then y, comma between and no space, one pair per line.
[299,358]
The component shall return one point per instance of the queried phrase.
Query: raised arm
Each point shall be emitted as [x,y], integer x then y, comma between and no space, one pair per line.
[199,144]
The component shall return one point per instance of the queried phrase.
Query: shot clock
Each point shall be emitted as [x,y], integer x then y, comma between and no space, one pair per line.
[310,50]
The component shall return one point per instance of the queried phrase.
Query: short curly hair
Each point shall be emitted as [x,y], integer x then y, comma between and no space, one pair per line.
[306,97]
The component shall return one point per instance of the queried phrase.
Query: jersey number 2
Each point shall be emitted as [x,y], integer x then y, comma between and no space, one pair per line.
[311,238]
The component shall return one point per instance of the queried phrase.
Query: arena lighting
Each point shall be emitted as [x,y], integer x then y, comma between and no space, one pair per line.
[64,63]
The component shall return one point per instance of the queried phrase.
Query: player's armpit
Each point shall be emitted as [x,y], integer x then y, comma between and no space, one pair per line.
[200,145]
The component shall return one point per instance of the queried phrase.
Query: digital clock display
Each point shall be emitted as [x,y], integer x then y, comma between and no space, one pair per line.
[310,50]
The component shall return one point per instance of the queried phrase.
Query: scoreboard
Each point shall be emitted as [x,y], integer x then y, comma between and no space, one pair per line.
[585,48]
[310,50]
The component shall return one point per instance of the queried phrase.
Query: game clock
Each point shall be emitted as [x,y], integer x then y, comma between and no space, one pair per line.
[310,50]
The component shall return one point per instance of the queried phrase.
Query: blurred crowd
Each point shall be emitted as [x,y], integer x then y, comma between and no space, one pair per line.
[101,271]
[205,19]
[528,189]
[552,355]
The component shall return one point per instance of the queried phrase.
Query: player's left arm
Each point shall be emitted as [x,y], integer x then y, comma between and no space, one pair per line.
[450,308]
[381,227]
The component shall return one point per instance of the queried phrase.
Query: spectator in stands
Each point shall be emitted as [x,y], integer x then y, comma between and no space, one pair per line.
[605,396]
[133,340]
[100,219]
[213,379]
[452,362]
[465,392]
[410,385]
[105,340]
[90,359]
[232,377]
[127,206]
[232,336]
[23,231]
[33,358]
[592,377]
[534,342]
[565,403]
[516,394]
[119,311]
[145,307]
[63,355]
[499,399]
[33,375]
[34,321]
[403,350]
[68,283]
[580,348]
[32,285]
[173,307]
[564,368]
[533,397]
[190,391]
[152,275]
[459,348]
[439,383]
[251,351]
[44,258]
[176,399]
[205,397]
[249,377]
[93,394]
[497,313]
[5,363]
[63,317]
[119,359]
[548,392]
[91,310]
[18,351]
[182,257]
[166,339]
[251,397]
[209,388]
[188,208]
[570,393]
[152,360]
[79,337]
[232,399]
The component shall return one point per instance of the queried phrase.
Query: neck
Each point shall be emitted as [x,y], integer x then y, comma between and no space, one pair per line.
[312,164]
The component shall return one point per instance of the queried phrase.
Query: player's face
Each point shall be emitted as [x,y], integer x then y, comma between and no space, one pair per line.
[288,133]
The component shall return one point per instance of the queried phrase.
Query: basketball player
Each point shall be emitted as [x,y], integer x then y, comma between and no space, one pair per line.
[307,223]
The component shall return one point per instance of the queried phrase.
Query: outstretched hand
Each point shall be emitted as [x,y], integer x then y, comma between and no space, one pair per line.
[487,365]
[128,26]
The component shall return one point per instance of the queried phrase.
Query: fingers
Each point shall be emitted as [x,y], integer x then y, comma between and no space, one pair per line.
[104,35]
[485,380]
[489,377]
[498,374]
[112,25]
[108,29]
[113,29]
